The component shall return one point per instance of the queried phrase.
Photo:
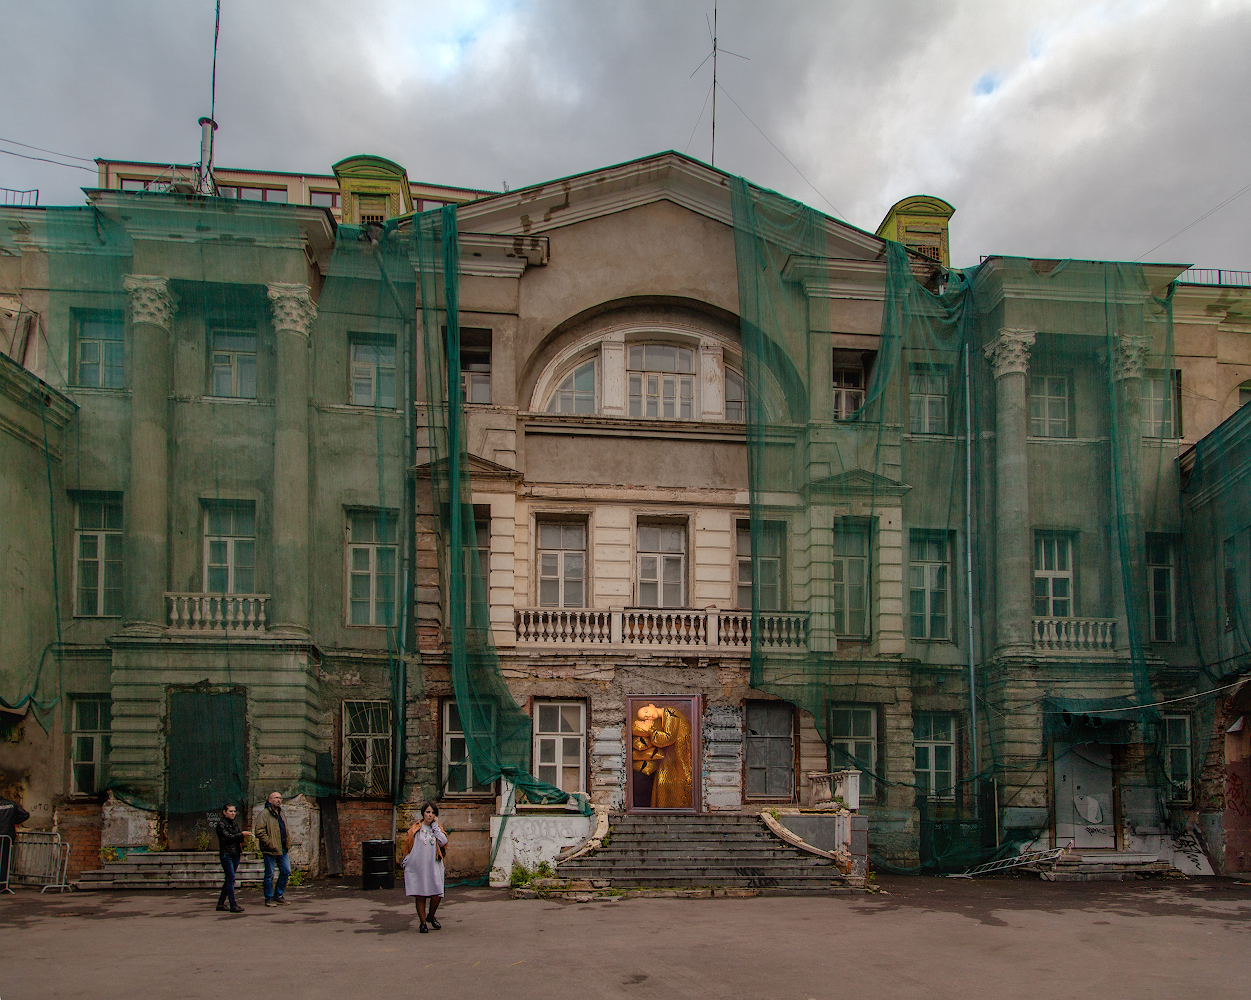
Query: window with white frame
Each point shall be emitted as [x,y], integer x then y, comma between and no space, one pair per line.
[562,564]
[367,749]
[767,564]
[770,750]
[853,743]
[475,365]
[1161,404]
[929,571]
[101,353]
[661,566]
[1053,575]
[458,776]
[229,547]
[1049,400]
[90,738]
[661,381]
[576,392]
[735,397]
[934,748]
[373,370]
[849,580]
[1244,394]
[1177,755]
[480,556]
[1161,587]
[98,556]
[234,364]
[848,391]
[371,554]
[929,390]
[560,744]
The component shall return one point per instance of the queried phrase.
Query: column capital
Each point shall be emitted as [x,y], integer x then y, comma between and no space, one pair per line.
[293,307]
[151,301]
[1130,357]
[1009,351]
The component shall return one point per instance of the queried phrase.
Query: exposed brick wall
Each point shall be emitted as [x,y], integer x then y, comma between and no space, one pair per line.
[360,821]
[78,823]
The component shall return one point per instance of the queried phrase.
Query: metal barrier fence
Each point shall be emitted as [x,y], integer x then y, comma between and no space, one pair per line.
[6,855]
[40,859]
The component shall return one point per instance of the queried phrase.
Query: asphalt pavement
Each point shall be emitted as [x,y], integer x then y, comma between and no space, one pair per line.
[921,937]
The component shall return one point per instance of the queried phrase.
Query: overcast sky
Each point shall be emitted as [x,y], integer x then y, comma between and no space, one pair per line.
[1062,129]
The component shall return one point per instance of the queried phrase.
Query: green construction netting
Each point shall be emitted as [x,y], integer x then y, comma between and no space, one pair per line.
[497,730]
[875,466]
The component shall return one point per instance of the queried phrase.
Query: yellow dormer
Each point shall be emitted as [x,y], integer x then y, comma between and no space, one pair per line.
[372,189]
[920,224]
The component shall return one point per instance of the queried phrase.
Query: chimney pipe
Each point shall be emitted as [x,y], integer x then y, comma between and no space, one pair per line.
[204,182]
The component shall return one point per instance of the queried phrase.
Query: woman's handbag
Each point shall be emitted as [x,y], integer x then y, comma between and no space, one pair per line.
[440,851]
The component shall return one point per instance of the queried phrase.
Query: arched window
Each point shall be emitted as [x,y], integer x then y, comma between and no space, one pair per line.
[1244,394]
[662,381]
[735,397]
[576,394]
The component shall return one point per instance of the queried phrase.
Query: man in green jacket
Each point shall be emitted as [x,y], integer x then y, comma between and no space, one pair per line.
[271,834]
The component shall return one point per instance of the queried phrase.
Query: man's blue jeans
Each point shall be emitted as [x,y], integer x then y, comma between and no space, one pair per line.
[283,864]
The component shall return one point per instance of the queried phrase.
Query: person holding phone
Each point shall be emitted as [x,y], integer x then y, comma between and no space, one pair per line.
[425,843]
[230,849]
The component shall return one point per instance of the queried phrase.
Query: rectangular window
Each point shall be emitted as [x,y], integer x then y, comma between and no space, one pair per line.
[560,744]
[324,199]
[1160,587]
[562,565]
[1053,576]
[929,569]
[90,736]
[768,575]
[479,556]
[234,364]
[1229,553]
[853,743]
[770,750]
[849,580]
[101,353]
[661,566]
[475,365]
[1177,755]
[367,749]
[662,381]
[933,742]
[373,371]
[928,394]
[1161,405]
[848,391]
[229,547]
[371,549]
[1049,399]
[98,556]
[458,778]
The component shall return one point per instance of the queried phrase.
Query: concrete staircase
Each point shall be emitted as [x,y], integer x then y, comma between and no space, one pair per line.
[169,870]
[677,852]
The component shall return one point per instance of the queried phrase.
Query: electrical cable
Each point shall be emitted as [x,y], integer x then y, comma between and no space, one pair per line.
[40,149]
[1237,194]
[44,159]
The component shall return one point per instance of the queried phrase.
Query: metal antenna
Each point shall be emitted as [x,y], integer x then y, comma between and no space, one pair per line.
[712,34]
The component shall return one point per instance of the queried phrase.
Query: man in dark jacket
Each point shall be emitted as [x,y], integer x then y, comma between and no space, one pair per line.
[11,816]
[271,834]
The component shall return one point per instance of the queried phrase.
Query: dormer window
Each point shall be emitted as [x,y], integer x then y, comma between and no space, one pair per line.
[576,394]
[371,209]
[662,382]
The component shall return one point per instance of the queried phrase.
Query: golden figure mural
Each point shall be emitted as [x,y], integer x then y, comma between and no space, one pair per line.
[661,747]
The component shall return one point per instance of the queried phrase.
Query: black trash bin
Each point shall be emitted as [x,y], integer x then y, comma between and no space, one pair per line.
[378,864]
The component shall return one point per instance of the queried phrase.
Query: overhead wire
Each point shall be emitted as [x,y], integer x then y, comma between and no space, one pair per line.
[53,152]
[1237,194]
[44,159]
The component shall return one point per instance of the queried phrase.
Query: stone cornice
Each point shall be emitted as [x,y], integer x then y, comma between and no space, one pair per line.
[151,301]
[1009,352]
[39,400]
[293,307]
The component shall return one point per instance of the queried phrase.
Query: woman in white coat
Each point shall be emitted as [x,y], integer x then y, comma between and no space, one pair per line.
[423,864]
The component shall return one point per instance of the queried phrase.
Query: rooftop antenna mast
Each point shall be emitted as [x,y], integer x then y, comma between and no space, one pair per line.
[204,182]
[712,33]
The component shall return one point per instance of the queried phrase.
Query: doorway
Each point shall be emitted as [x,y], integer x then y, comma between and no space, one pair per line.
[665,773]
[207,757]
[1084,796]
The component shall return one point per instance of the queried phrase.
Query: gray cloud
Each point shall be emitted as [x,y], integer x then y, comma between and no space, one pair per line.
[1104,127]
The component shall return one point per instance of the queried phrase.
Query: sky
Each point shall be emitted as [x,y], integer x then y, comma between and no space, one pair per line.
[1056,128]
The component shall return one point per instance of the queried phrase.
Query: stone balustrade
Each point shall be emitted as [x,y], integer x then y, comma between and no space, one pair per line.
[708,628]
[217,612]
[1078,635]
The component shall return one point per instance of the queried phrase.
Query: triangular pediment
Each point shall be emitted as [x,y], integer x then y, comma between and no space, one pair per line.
[479,469]
[670,176]
[859,483]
